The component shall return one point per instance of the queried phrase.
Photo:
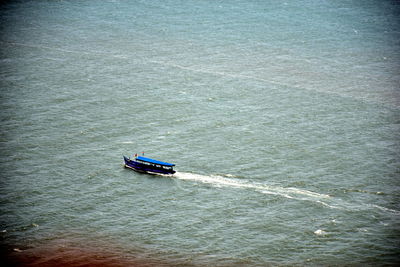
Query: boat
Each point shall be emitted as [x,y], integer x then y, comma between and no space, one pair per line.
[150,166]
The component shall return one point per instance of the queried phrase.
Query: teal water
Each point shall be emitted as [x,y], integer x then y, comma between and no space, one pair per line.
[282,119]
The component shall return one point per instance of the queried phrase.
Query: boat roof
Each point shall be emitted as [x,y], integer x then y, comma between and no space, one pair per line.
[155,161]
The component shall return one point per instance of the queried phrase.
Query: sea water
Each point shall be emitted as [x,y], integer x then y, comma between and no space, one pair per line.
[282,118]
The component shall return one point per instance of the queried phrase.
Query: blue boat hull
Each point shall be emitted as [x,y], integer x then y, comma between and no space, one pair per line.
[139,167]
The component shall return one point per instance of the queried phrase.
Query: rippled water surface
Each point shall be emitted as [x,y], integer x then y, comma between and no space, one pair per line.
[282,119]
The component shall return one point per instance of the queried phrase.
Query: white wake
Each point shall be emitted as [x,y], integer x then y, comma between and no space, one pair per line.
[222,181]
[287,192]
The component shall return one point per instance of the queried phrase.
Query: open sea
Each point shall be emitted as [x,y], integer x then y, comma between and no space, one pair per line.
[282,117]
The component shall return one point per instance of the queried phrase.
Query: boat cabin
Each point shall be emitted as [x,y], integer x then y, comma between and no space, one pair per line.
[148,165]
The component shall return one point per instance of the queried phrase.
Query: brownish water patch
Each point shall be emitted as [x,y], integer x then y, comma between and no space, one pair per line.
[79,253]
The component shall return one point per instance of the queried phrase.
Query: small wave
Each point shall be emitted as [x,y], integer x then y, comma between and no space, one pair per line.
[386,209]
[363,191]
[320,232]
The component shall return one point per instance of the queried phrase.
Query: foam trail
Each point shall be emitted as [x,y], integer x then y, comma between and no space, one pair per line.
[200,70]
[386,209]
[221,73]
[221,181]
[287,192]
[254,78]
[50,48]
[78,52]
